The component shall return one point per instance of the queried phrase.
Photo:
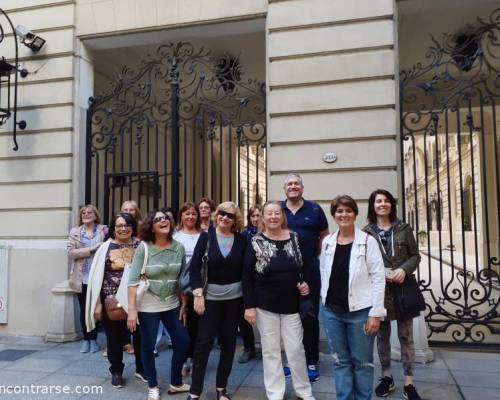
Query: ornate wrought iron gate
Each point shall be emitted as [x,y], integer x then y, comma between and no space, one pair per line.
[450,126]
[185,116]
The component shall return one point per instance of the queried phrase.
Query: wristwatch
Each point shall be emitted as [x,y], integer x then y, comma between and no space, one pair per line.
[198,294]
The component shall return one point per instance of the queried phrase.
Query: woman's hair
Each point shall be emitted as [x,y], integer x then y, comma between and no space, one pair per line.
[372,216]
[229,206]
[185,207]
[128,219]
[251,210]
[208,201]
[284,224]
[146,232]
[133,204]
[343,200]
[169,210]
[94,210]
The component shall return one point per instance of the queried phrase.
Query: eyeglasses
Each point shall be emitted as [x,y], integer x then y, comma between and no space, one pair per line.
[123,226]
[161,219]
[226,214]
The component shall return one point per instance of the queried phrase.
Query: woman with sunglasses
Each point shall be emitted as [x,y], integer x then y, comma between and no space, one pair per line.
[219,304]
[161,302]
[83,242]
[401,258]
[104,279]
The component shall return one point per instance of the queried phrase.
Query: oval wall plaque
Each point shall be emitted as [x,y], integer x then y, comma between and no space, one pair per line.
[329,157]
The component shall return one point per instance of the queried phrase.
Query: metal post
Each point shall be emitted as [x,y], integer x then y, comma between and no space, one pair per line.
[174,84]
[88,154]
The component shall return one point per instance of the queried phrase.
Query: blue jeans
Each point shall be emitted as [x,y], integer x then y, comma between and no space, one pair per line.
[148,324]
[352,353]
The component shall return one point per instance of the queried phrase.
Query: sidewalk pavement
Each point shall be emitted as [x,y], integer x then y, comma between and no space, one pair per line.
[454,375]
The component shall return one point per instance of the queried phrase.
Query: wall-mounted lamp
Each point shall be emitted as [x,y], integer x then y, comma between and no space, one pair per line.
[8,83]
[29,39]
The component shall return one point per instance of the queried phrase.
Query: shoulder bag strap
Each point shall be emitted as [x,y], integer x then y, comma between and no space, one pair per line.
[146,256]
[295,239]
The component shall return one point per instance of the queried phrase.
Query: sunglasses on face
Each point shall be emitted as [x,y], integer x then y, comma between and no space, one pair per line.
[228,215]
[161,219]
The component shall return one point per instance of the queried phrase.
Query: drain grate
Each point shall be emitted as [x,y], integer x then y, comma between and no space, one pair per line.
[14,355]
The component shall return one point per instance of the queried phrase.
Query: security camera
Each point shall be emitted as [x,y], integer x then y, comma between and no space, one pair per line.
[24,33]
[29,39]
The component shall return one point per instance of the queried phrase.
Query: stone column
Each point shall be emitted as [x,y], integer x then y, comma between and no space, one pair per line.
[64,325]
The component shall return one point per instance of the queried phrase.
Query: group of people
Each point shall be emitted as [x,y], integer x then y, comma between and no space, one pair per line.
[208,277]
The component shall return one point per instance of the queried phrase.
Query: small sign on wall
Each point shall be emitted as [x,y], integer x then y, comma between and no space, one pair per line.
[329,157]
[4,283]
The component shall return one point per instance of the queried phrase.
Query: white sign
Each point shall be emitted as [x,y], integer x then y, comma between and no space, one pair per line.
[4,284]
[329,157]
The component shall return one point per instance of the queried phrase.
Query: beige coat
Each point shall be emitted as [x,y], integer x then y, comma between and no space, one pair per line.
[77,255]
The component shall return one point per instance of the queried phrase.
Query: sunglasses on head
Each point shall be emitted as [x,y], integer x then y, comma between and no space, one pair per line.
[161,219]
[226,214]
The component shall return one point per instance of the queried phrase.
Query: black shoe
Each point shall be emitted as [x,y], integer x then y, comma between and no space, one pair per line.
[410,393]
[246,356]
[385,386]
[222,394]
[117,381]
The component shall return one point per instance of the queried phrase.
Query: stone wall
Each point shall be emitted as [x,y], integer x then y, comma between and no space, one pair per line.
[331,89]
[36,181]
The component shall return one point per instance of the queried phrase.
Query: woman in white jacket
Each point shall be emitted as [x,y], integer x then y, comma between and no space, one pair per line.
[352,300]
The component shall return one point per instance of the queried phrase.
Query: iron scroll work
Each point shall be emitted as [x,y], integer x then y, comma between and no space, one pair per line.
[187,115]
[451,182]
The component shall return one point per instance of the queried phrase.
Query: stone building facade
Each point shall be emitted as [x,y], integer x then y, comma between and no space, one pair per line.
[331,73]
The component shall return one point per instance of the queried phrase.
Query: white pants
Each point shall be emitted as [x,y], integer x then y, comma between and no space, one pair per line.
[274,327]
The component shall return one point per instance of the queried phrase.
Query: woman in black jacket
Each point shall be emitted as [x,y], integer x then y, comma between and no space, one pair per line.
[219,304]
[401,258]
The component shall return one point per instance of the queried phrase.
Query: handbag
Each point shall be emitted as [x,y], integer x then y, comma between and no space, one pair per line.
[409,298]
[184,275]
[114,310]
[204,268]
[307,310]
[122,292]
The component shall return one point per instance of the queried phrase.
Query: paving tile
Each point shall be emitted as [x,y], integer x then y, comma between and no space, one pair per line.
[38,364]
[472,393]
[436,392]
[478,379]
[246,393]
[86,368]
[15,378]
[468,355]
[486,365]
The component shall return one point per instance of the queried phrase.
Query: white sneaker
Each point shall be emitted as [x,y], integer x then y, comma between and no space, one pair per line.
[154,393]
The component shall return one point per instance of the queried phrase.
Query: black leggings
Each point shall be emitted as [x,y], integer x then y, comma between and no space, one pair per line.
[92,335]
[115,332]
[220,321]
[192,325]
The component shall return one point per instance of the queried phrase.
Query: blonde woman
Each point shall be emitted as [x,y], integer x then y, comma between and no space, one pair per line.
[220,306]
[272,285]
[83,242]
[131,207]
